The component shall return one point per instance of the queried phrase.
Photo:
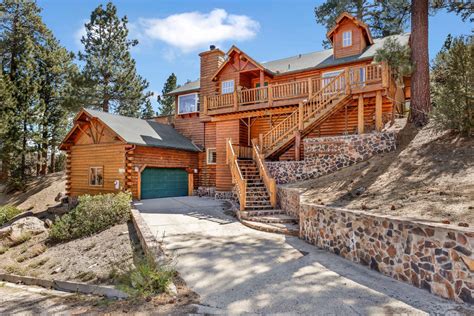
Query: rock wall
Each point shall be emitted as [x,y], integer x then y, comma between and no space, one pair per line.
[324,155]
[288,200]
[436,257]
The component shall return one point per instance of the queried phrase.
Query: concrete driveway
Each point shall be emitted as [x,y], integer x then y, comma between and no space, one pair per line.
[238,270]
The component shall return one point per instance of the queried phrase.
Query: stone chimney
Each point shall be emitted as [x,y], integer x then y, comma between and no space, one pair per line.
[211,60]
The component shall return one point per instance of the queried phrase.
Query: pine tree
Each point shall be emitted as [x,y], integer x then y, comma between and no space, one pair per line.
[384,17]
[112,83]
[21,34]
[420,104]
[147,112]
[166,101]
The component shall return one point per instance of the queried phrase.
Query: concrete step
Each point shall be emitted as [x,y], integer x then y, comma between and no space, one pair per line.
[273,218]
[277,228]
[267,212]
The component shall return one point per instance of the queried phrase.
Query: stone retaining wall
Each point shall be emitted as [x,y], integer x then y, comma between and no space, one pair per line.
[324,155]
[436,257]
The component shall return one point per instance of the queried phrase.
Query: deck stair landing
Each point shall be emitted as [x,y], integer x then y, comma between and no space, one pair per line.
[259,213]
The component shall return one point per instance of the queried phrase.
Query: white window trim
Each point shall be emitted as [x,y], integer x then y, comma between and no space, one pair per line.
[196,103]
[227,81]
[90,173]
[208,150]
[344,39]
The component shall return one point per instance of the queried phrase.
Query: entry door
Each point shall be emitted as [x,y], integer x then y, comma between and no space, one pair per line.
[163,182]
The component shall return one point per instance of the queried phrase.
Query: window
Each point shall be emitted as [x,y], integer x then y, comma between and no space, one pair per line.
[337,85]
[227,86]
[96,176]
[211,156]
[188,103]
[347,39]
[357,76]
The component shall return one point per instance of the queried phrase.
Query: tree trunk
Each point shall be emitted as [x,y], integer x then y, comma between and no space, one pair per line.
[52,167]
[420,80]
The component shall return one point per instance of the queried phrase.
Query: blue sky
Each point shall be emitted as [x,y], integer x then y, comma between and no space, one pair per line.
[170,39]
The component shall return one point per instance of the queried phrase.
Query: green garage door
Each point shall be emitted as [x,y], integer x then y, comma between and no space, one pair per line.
[163,182]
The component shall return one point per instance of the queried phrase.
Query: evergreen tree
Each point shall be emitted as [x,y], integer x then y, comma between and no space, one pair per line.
[147,112]
[21,34]
[112,83]
[167,102]
[452,81]
[384,17]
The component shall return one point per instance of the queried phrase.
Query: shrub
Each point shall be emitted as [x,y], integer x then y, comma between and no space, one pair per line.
[93,214]
[7,212]
[452,82]
[146,278]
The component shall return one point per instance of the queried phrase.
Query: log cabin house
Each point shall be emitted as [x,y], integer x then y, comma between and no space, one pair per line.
[237,115]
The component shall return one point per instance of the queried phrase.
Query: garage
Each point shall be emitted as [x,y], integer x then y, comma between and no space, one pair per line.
[163,182]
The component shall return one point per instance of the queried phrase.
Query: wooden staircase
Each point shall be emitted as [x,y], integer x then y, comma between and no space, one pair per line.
[329,99]
[256,191]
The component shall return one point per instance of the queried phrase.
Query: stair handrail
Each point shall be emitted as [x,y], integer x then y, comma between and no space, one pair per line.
[291,127]
[268,180]
[236,174]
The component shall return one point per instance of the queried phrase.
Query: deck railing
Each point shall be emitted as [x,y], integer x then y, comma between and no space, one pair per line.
[269,182]
[359,77]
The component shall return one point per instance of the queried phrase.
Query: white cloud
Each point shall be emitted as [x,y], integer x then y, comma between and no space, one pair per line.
[79,34]
[193,30]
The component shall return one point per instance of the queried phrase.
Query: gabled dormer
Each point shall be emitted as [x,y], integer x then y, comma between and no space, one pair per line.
[349,36]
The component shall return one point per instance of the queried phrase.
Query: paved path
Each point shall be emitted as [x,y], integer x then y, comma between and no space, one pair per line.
[239,270]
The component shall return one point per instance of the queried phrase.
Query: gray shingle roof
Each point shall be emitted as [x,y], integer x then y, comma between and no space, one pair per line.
[187,87]
[314,60]
[325,58]
[143,132]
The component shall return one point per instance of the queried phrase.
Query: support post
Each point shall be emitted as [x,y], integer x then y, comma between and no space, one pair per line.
[262,79]
[310,88]
[270,95]
[300,116]
[236,101]
[205,105]
[297,145]
[347,80]
[385,75]
[190,183]
[360,114]
[260,142]
[378,110]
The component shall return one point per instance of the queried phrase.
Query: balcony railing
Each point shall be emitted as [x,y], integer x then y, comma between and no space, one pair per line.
[360,78]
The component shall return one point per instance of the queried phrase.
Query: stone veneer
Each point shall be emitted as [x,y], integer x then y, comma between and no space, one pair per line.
[205,191]
[433,256]
[324,155]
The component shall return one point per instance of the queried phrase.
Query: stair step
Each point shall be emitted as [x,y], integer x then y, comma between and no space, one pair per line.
[258,213]
[258,208]
[278,228]
[274,218]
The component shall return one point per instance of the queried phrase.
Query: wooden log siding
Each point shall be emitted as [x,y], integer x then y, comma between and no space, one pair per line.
[162,158]
[109,156]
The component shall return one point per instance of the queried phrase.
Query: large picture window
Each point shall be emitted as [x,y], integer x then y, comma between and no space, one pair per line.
[227,86]
[347,39]
[96,176]
[188,103]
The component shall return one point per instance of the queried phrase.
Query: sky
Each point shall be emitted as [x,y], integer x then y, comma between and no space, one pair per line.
[171,33]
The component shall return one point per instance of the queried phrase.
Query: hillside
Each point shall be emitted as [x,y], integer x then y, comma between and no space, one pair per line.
[39,195]
[430,176]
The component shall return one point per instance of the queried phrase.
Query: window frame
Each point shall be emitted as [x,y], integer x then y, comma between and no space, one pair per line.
[225,88]
[90,176]
[208,151]
[349,39]
[196,103]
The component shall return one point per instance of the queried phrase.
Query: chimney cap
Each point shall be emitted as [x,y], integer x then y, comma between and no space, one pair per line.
[212,47]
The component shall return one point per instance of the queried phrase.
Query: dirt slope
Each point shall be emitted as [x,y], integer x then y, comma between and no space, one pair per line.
[39,194]
[430,176]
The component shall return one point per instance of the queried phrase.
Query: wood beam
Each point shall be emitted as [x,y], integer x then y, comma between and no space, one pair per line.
[262,79]
[360,114]
[297,145]
[378,111]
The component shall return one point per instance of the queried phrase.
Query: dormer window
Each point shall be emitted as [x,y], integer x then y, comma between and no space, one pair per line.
[347,39]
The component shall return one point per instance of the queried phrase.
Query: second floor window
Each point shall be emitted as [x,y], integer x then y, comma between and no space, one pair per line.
[188,103]
[227,86]
[347,39]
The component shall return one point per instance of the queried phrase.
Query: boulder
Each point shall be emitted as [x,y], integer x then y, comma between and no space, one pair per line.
[31,225]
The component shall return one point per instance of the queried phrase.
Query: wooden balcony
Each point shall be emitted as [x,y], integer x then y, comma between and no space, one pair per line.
[367,78]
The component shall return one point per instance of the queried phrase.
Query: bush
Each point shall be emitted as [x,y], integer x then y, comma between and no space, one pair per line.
[92,214]
[7,212]
[452,82]
[146,278]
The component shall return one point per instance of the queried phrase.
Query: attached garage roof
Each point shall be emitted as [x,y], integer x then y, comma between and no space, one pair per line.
[144,132]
